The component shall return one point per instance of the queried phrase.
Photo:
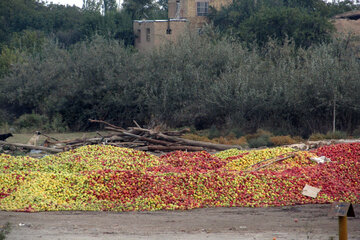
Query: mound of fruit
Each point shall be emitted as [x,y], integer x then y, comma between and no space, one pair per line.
[119,179]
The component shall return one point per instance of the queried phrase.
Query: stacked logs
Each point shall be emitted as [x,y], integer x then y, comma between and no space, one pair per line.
[155,140]
[137,137]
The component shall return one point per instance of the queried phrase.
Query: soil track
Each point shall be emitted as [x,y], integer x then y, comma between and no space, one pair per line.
[292,222]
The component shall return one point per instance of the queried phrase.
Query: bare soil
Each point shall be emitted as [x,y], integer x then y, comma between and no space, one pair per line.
[291,222]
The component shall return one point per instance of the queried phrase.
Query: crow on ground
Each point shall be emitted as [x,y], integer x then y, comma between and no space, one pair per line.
[3,137]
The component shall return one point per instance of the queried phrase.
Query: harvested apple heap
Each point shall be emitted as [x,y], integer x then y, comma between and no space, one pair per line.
[119,179]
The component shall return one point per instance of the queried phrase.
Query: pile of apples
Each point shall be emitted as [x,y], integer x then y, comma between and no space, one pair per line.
[119,179]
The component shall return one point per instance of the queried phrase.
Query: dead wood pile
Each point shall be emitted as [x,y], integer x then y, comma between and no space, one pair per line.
[137,137]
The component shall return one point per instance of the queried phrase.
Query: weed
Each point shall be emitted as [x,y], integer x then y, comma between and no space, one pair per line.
[5,230]
[336,135]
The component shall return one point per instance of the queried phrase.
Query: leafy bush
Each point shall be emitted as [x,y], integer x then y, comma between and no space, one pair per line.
[57,124]
[282,140]
[200,81]
[214,132]
[258,133]
[5,230]
[261,141]
[356,132]
[30,122]
[336,135]
[317,137]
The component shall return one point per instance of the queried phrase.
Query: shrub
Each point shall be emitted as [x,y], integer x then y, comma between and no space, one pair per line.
[5,230]
[298,139]
[259,133]
[336,135]
[282,140]
[317,137]
[214,132]
[262,141]
[57,124]
[356,132]
[259,139]
[195,137]
[31,121]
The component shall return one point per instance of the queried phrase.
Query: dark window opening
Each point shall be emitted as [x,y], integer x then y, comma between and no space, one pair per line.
[139,35]
[202,8]
[148,34]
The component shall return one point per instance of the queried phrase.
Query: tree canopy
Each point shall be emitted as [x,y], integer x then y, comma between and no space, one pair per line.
[304,21]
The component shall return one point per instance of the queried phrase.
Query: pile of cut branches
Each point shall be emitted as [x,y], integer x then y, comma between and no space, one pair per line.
[156,140]
[137,137]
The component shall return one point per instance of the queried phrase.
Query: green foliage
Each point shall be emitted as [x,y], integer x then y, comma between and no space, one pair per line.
[283,22]
[261,138]
[317,137]
[356,132]
[261,141]
[197,82]
[336,135]
[31,121]
[5,230]
[304,22]
[214,132]
[145,9]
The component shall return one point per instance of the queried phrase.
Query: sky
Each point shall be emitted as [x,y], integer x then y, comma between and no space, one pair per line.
[78,3]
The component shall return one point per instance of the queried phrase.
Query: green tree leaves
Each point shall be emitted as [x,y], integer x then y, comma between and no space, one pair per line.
[304,22]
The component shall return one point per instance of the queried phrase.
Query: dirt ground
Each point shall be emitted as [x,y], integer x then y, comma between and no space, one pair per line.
[292,222]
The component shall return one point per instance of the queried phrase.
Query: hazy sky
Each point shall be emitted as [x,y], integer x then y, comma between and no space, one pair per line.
[68,2]
[72,2]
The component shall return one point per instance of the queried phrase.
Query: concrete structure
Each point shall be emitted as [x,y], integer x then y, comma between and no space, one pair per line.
[183,14]
[151,33]
[348,24]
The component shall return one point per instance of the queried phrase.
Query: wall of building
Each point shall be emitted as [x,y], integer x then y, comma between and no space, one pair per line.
[158,32]
[189,10]
[186,19]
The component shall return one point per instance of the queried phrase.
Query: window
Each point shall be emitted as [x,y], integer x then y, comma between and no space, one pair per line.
[202,8]
[148,34]
[139,35]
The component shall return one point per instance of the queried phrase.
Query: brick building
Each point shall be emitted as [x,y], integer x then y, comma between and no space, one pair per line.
[182,15]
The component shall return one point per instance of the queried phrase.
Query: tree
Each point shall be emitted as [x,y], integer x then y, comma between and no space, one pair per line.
[284,22]
[304,21]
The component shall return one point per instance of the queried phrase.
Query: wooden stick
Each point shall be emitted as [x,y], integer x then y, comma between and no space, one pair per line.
[268,159]
[189,142]
[140,137]
[177,133]
[137,125]
[106,123]
[49,137]
[277,160]
[31,147]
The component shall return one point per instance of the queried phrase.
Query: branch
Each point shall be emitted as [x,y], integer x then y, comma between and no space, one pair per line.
[31,147]
[106,123]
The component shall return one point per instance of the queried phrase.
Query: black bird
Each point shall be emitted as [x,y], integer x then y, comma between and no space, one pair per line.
[3,137]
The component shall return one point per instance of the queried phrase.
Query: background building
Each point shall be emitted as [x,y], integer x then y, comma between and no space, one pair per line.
[182,15]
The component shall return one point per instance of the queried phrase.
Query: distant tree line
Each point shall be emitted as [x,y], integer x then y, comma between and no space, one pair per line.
[305,22]
[68,64]
[197,82]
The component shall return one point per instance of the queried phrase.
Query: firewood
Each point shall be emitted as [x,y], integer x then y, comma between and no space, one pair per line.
[140,137]
[27,146]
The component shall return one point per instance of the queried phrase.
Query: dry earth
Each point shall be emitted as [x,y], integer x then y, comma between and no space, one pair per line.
[292,222]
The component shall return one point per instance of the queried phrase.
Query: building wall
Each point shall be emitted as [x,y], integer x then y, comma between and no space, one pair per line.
[158,33]
[187,19]
[189,10]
